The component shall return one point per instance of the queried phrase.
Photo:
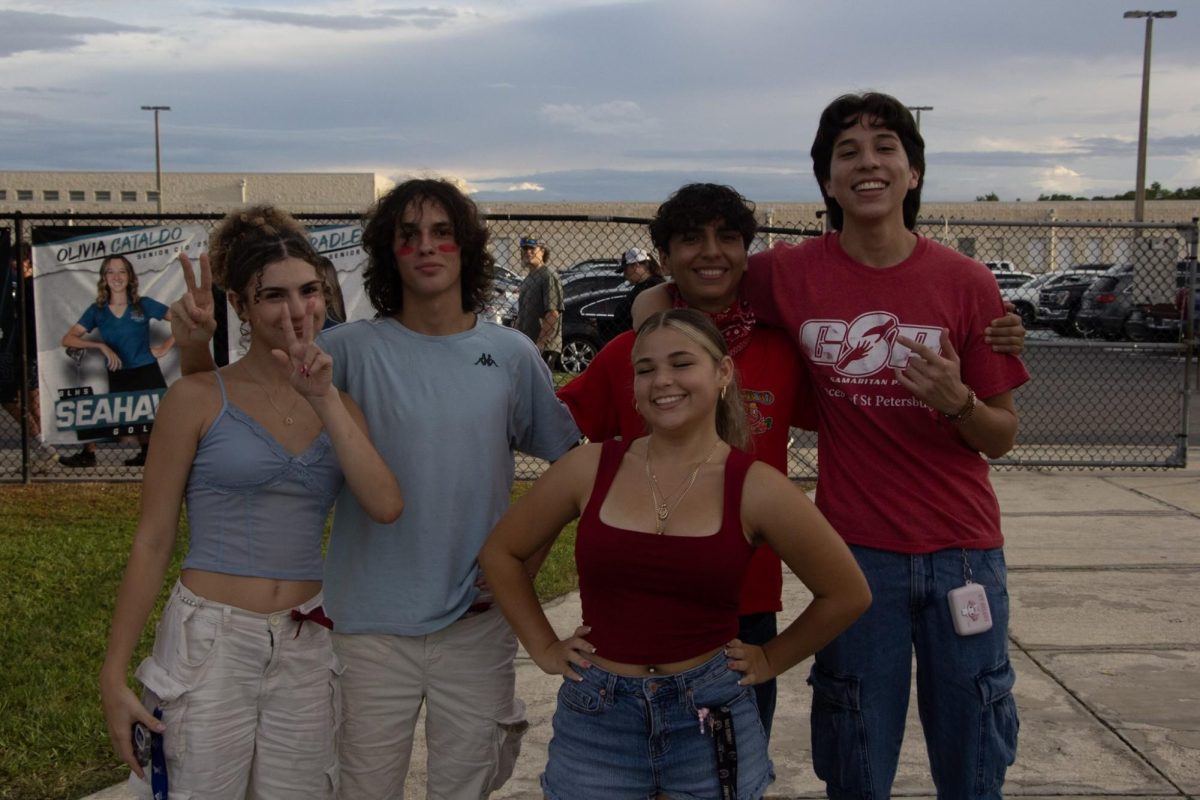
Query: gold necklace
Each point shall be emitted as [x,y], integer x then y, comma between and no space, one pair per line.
[662,504]
[287,415]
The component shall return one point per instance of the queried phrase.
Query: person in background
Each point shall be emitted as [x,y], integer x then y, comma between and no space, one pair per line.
[702,234]
[43,456]
[540,303]
[642,272]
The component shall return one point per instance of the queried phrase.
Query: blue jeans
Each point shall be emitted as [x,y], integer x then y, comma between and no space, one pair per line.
[964,683]
[759,629]
[618,738]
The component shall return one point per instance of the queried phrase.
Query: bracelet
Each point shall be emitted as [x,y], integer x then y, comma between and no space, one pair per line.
[964,413]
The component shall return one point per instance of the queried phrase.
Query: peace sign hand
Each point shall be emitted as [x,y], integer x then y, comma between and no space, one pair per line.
[193,318]
[310,369]
[934,379]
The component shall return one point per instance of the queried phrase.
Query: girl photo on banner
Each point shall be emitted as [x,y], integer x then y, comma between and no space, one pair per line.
[105,349]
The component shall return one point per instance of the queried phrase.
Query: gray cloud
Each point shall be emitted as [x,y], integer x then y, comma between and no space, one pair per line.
[649,186]
[1078,148]
[54,90]
[27,31]
[391,18]
[423,12]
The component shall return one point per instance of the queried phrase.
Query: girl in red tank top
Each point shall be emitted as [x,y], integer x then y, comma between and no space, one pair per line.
[656,694]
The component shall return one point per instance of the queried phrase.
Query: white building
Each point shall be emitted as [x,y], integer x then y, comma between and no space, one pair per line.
[186,192]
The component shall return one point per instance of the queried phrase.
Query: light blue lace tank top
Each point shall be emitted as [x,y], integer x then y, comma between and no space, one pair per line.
[254,508]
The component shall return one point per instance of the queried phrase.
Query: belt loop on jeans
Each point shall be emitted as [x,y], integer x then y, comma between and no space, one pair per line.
[226,617]
[681,688]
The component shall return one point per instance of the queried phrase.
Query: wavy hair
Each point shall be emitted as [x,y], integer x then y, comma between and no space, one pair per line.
[381,279]
[104,294]
[696,205]
[246,241]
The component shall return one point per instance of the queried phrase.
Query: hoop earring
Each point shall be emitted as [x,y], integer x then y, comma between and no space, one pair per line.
[723,389]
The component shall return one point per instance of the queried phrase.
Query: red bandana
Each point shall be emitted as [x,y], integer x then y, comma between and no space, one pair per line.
[735,323]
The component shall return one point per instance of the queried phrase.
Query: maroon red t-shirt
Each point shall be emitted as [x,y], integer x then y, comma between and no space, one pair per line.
[894,473]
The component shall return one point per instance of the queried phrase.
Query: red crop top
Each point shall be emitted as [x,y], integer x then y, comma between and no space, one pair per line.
[653,599]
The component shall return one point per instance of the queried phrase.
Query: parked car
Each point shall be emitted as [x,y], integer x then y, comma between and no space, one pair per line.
[1164,321]
[502,308]
[591,267]
[1059,305]
[589,323]
[1012,280]
[1025,297]
[1106,305]
[999,266]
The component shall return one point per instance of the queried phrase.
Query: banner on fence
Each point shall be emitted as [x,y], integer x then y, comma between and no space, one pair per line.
[111,386]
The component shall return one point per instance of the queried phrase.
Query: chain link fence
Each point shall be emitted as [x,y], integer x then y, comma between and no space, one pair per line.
[1110,308]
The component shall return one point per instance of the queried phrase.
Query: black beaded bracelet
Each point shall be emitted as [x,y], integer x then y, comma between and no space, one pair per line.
[964,413]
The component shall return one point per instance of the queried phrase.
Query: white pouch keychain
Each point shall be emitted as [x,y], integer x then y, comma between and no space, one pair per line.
[969,605]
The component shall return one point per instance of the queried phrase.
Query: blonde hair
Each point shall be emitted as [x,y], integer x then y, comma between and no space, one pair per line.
[697,326]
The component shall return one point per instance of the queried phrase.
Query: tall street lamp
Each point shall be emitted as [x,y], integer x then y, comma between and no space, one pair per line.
[917,110]
[157,152]
[1139,202]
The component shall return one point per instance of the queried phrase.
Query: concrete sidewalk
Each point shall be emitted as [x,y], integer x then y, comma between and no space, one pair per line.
[1104,579]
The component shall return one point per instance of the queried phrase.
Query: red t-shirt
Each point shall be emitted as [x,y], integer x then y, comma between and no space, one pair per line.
[777,395]
[894,474]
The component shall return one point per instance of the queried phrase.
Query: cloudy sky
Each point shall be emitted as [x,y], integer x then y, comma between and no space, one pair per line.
[585,99]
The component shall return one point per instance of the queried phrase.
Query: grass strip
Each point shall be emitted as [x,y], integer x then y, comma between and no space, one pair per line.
[64,548]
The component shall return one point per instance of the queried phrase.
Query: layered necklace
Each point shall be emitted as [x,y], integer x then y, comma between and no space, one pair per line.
[665,504]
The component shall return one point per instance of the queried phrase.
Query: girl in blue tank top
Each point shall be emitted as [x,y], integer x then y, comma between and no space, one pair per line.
[656,696]
[240,693]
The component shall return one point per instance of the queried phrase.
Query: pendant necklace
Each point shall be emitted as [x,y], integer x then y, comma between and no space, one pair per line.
[663,505]
[287,415]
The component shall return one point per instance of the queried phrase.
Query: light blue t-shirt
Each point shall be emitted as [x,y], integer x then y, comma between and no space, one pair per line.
[129,334]
[446,413]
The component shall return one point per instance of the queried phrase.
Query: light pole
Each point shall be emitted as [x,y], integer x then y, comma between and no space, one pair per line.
[157,152]
[917,110]
[1139,202]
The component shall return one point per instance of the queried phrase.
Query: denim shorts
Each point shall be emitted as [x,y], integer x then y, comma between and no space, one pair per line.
[618,738]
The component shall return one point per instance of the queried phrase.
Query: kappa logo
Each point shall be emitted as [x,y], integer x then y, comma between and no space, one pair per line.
[866,345]
[486,360]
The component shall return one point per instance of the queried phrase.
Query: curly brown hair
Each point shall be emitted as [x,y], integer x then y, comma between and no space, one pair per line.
[246,241]
[381,279]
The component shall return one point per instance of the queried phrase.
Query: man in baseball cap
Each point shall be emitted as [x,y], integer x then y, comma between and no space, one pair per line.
[540,303]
